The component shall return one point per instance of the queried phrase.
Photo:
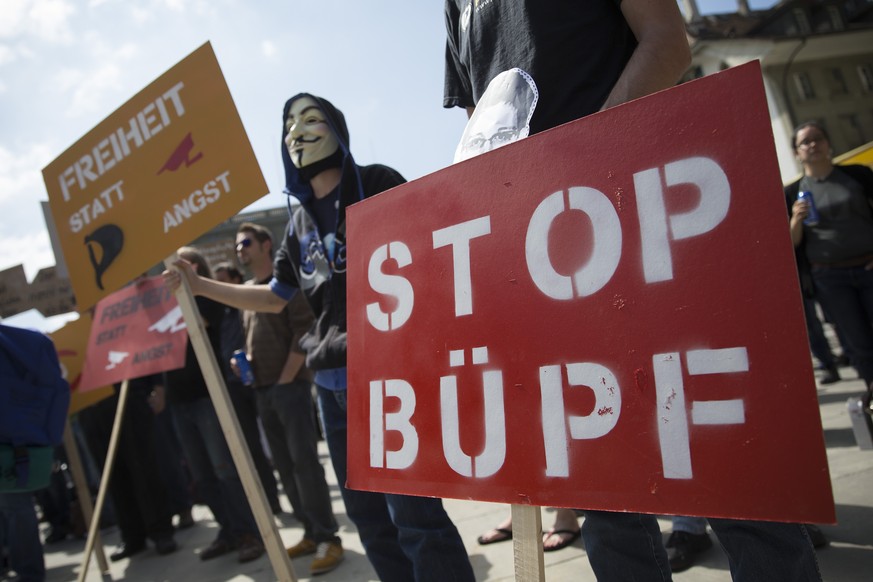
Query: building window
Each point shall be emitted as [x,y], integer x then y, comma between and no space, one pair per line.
[836,18]
[805,92]
[865,73]
[837,82]
[802,20]
[852,130]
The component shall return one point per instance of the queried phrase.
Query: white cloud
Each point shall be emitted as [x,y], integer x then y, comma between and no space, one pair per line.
[21,175]
[88,97]
[14,16]
[176,5]
[49,20]
[6,55]
[27,21]
[86,90]
[90,89]
[31,249]
[140,15]
[268,47]
[24,239]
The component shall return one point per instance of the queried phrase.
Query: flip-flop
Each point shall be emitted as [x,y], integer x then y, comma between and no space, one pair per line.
[574,535]
[503,535]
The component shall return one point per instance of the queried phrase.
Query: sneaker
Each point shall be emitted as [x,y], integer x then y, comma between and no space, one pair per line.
[683,549]
[327,557]
[250,548]
[829,376]
[303,548]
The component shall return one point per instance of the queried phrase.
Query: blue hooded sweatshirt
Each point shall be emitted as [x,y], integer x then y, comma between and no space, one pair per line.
[313,259]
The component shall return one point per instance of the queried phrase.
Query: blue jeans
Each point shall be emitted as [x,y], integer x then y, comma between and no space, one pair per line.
[244,403]
[628,546]
[19,530]
[818,342]
[846,295]
[171,463]
[212,468]
[406,538]
[692,525]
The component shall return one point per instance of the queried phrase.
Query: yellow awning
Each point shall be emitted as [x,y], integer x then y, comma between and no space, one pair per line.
[862,155]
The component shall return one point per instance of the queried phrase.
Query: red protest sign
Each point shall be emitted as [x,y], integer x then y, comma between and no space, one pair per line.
[137,331]
[605,316]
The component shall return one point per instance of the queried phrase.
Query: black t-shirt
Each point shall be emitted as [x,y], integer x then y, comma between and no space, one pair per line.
[187,384]
[325,211]
[575,51]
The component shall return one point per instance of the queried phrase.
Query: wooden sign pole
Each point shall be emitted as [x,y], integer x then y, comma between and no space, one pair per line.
[527,543]
[230,425]
[104,479]
[83,494]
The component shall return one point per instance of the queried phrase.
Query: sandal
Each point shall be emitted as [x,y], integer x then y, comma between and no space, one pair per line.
[503,535]
[565,541]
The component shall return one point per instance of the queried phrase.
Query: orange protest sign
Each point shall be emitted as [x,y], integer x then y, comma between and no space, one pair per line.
[165,167]
[71,342]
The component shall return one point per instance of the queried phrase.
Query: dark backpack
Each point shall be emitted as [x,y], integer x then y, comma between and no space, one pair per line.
[34,400]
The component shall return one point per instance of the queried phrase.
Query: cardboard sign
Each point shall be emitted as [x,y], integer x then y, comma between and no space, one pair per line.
[13,291]
[71,343]
[605,315]
[137,331]
[49,293]
[165,167]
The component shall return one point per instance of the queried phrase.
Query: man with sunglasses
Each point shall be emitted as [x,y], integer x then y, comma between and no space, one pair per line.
[283,394]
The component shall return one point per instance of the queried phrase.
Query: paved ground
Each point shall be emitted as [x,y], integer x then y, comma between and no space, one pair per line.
[848,558]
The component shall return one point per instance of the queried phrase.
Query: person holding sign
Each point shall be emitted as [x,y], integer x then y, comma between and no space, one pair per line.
[232,339]
[609,52]
[203,442]
[405,537]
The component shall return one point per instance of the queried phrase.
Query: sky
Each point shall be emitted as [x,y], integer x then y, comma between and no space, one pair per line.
[65,65]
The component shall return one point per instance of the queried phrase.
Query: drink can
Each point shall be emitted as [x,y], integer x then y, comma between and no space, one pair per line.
[245,368]
[811,218]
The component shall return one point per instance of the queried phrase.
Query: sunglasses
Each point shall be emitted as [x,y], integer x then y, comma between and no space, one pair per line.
[243,244]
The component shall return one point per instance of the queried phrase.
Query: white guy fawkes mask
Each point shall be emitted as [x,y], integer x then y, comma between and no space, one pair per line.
[309,138]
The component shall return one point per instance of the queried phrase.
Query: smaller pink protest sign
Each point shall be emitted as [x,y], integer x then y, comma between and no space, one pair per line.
[137,331]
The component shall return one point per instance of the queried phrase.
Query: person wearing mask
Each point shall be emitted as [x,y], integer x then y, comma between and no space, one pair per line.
[405,537]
